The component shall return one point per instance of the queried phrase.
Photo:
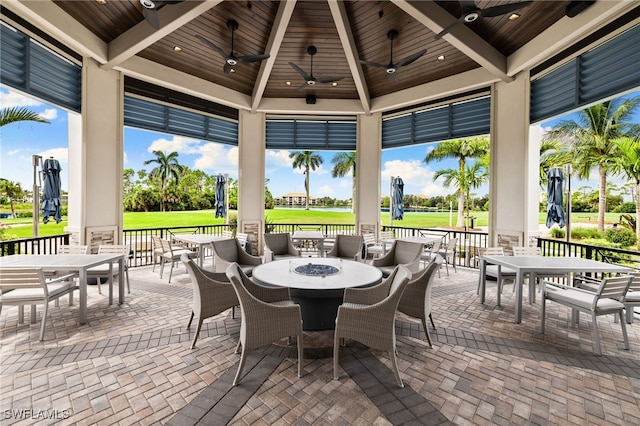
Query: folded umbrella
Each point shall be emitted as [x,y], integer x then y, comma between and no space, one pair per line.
[555,206]
[397,195]
[220,206]
[51,191]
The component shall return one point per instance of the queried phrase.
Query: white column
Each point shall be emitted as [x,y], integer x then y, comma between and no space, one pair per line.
[251,163]
[96,154]
[513,206]
[368,169]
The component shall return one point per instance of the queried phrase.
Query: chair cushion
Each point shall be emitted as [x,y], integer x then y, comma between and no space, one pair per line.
[632,296]
[492,270]
[582,299]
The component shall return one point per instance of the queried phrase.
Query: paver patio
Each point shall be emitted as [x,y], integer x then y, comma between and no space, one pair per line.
[131,364]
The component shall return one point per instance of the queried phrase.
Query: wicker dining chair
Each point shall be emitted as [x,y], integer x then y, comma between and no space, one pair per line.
[416,299]
[279,245]
[268,315]
[401,253]
[347,247]
[226,252]
[367,315]
[212,294]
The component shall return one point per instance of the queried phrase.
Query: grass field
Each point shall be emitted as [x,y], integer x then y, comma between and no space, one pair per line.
[22,227]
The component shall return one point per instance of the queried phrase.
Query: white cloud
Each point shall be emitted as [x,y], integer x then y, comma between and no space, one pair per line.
[60,154]
[178,143]
[412,172]
[13,152]
[325,191]
[49,114]
[217,158]
[14,99]
[275,159]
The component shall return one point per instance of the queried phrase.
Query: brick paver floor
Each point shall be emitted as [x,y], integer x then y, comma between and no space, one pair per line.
[131,364]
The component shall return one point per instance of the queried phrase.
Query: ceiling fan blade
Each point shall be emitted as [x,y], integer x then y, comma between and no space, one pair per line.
[252,58]
[372,64]
[227,68]
[303,87]
[151,16]
[410,59]
[212,46]
[449,28]
[503,9]
[466,6]
[328,79]
[300,71]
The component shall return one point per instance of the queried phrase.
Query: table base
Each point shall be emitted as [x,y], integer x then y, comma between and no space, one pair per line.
[319,307]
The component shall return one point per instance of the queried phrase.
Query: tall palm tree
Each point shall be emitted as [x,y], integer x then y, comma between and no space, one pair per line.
[591,137]
[343,164]
[15,114]
[167,167]
[461,149]
[13,191]
[308,160]
[553,153]
[627,163]
[471,177]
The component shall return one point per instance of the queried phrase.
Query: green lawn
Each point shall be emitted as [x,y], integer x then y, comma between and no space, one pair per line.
[22,227]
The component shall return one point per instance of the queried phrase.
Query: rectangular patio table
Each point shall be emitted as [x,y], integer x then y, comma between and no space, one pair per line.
[315,236]
[79,263]
[541,265]
[198,240]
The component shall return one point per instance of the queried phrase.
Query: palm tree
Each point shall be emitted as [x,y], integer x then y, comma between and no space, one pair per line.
[471,177]
[462,149]
[553,153]
[167,166]
[343,164]
[628,164]
[309,161]
[591,138]
[12,190]
[15,114]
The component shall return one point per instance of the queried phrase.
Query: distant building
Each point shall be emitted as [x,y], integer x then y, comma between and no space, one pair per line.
[294,199]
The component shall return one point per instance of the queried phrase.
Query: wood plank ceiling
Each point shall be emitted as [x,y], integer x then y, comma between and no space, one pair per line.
[317,23]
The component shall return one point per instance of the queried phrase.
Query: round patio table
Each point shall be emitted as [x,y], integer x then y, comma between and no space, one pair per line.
[317,285]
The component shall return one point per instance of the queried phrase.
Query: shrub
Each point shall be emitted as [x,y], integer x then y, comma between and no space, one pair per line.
[582,233]
[626,207]
[624,237]
[557,233]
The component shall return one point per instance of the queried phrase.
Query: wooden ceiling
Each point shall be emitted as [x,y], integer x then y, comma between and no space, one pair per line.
[342,31]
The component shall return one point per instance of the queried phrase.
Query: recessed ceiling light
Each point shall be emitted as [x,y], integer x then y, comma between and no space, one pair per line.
[177,49]
[101,1]
[441,58]
[334,84]
[514,17]
[232,70]
[288,83]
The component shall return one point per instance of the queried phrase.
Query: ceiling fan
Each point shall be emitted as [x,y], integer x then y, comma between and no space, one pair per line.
[150,10]
[309,79]
[391,68]
[471,13]
[230,60]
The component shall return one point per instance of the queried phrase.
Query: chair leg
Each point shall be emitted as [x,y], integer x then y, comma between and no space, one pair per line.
[162,262]
[170,271]
[336,349]
[624,330]
[190,320]
[426,332]
[238,347]
[126,273]
[240,366]
[394,362]
[300,352]
[596,335]
[543,309]
[431,319]
[195,337]
[33,314]
[21,314]
[44,319]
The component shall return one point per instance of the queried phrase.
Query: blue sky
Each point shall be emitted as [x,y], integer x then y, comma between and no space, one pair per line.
[19,141]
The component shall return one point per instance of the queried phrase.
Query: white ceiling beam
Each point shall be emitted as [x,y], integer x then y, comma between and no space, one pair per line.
[163,76]
[280,24]
[565,33]
[432,16]
[143,35]
[449,86]
[350,51]
[60,25]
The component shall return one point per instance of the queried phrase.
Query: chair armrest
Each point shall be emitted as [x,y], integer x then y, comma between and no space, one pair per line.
[385,260]
[267,294]
[268,254]
[368,295]
[245,258]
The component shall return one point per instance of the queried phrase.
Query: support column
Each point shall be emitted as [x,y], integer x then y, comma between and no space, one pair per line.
[96,157]
[251,160]
[513,206]
[368,170]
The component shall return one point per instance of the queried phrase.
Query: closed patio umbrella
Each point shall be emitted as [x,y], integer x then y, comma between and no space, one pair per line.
[555,206]
[397,193]
[51,191]
[220,187]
